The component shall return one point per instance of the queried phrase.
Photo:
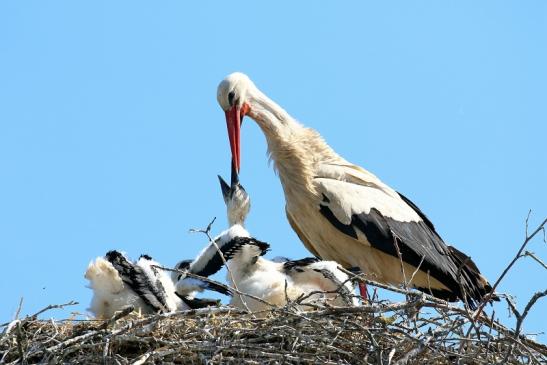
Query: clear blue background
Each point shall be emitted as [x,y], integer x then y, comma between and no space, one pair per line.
[111,136]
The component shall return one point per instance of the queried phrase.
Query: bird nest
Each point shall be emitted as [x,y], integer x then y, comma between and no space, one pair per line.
[421,329]
[418,330]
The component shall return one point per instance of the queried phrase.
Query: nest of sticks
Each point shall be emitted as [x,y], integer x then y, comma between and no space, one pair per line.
[417,330]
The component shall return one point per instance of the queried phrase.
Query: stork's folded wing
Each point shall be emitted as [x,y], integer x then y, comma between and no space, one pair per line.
[361,206]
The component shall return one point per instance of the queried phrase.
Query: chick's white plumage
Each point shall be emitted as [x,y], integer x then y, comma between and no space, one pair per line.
[272,281]
[118,283]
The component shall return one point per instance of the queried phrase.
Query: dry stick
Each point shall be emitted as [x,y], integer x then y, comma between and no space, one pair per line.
[18,309]
[105,351]
[417,269]
[534,257]
[489,335]
[400,255]
[339,290]
[118,315]
[469,315]
[135,324]
[206,231]
[422,345]
[445,305]
[49,307]
[211,281]
[520,318]
[518,255]
[487,298]
[19,336]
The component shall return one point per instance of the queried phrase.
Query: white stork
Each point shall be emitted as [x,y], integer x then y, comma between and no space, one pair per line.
[118,283]
[271,281]
[342,212]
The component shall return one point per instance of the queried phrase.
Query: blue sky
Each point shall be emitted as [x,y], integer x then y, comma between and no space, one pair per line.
[111,136]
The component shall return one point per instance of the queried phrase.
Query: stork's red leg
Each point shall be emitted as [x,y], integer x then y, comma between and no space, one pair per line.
[363,291]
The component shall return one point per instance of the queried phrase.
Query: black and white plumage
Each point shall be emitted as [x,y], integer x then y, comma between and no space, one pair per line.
[323,276]
[344,213]
[269,280]
[273,281]
[206,263]
[118,283]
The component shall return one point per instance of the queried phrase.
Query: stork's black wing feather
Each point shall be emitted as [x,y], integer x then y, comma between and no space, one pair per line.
[229,249]
[197,303]
[416,240]
[298,265]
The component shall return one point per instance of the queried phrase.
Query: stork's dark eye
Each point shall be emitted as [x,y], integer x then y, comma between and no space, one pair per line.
[231,96]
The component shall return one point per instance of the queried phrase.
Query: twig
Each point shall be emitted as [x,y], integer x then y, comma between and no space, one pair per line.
[19,307]
[214,282]
[534,257]
[19,335]
[49,307]
[118,315]
[506,270]
[417,269]
[400,255]
[521,317]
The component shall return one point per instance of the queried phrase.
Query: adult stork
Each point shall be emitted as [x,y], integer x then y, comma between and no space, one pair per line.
[342,212]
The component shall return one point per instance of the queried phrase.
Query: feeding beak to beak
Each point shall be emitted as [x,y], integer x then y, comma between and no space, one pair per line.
[234,177]
[227,190]
[234,119]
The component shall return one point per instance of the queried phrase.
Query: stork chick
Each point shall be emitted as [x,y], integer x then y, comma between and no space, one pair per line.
[208,262]
[118,283]
[273,282]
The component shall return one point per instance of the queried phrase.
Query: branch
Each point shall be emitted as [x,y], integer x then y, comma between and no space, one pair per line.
[521,317]
[517,256]
[214,282]
[534,257]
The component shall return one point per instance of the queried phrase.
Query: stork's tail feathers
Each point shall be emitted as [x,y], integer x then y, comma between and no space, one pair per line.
[475,285]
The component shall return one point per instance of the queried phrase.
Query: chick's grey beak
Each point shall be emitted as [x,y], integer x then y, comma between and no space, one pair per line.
[224,187]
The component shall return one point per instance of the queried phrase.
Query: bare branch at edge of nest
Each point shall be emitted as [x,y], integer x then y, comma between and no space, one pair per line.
[488,297]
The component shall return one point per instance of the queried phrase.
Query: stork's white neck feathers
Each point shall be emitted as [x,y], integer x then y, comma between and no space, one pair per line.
[294,149]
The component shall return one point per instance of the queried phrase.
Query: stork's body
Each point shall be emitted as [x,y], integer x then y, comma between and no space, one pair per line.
[344,213]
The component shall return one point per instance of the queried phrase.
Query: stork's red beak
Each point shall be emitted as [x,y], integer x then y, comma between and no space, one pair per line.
[234,118]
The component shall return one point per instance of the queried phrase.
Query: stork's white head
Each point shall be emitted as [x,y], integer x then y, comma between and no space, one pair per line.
[232,95]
